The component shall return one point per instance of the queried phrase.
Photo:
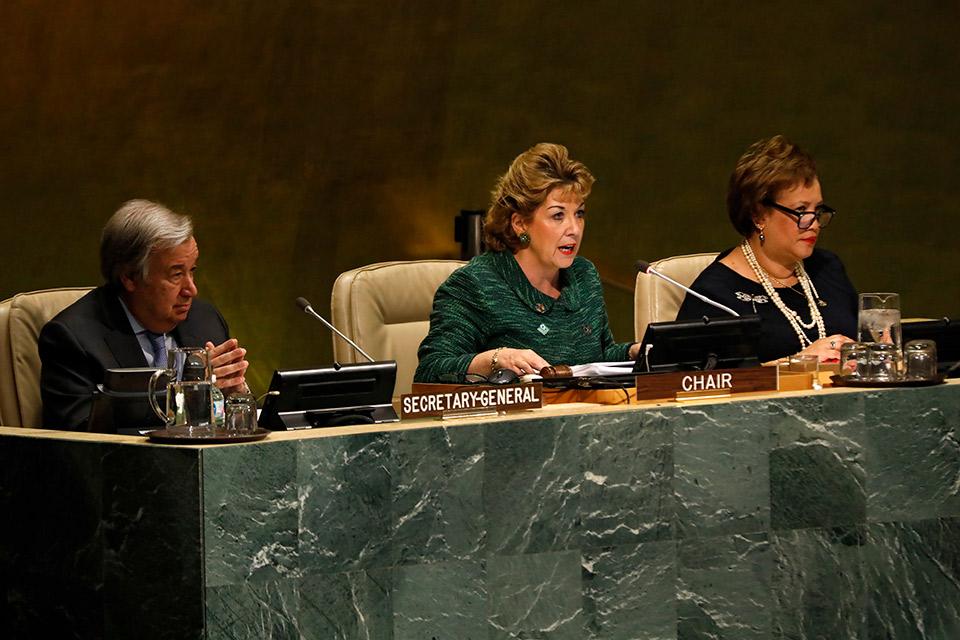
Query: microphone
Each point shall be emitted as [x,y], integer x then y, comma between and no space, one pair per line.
[644,266]
[304,305]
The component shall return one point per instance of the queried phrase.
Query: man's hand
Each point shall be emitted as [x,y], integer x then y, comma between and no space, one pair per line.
[229,366]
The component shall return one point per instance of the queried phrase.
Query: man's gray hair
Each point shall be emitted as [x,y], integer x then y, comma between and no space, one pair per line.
[134,234]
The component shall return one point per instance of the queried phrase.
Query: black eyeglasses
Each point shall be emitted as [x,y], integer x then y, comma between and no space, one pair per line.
[822,214]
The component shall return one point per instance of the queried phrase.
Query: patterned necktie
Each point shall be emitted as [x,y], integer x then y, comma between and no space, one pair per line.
[159,349]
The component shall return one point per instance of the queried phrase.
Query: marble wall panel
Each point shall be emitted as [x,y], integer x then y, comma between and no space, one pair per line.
[818,583]
[913,453]
[627,491]
[721,460]
[630,591]
[51,539]
[536,595]
[531,486]
[437,494]
[913,569]
[817,476]
[251,512]
[343,606]
[261,610]
[345,501]
[440,600]
[153,544]
[723,590]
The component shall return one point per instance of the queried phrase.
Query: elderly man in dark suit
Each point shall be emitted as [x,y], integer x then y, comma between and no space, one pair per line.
[148,256]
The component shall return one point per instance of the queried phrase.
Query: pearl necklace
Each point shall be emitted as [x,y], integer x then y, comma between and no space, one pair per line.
[781,282]
[809,292]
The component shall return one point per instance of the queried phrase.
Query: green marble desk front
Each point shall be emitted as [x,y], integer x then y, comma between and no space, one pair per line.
[829,515]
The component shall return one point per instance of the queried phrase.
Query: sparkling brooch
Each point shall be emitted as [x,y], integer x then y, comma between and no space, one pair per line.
[540,307]
[544,329]
[746,297]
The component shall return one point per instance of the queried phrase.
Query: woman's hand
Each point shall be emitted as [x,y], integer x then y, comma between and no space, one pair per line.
[826,348]
[521,361]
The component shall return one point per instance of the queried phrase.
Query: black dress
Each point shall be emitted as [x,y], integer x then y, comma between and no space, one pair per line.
[778,338]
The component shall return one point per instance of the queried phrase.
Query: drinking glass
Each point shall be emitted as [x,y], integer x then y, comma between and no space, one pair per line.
[783,365]
[240,413]
[883,362]
[920,359]
[879,322]
[854,361]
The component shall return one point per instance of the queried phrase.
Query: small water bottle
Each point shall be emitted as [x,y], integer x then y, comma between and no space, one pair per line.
[216,397]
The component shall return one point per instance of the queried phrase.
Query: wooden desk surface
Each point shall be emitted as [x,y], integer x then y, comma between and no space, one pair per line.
[547,410]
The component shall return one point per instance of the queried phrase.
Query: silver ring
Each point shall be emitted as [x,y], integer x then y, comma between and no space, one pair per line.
[832,344]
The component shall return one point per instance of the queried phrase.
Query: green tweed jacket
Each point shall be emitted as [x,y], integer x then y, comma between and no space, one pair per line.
[489,303]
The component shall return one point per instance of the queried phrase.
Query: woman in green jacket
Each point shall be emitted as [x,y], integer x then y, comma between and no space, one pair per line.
[530,300]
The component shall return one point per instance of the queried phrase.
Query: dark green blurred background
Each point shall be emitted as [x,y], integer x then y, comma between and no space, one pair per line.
[308,138]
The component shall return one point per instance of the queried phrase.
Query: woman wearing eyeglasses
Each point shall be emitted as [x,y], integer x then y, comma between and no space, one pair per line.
[806,302]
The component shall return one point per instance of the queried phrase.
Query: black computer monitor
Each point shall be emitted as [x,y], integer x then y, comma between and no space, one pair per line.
[121,403]
[707,343]
[355,393]
[945,332]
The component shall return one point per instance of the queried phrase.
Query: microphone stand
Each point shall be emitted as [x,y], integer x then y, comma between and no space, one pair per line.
[646,267]
[305,305]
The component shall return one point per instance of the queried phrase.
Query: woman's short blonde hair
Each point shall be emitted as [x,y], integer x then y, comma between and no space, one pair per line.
[526,185]
[768,167]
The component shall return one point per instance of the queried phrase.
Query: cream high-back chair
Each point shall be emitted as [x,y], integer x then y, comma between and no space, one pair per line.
[656,300]
[385,308]
[21,318]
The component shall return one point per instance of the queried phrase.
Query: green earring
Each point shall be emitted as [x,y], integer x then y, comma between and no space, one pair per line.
[525,238]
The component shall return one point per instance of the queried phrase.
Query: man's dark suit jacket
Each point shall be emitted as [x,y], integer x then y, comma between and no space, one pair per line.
[93,335]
